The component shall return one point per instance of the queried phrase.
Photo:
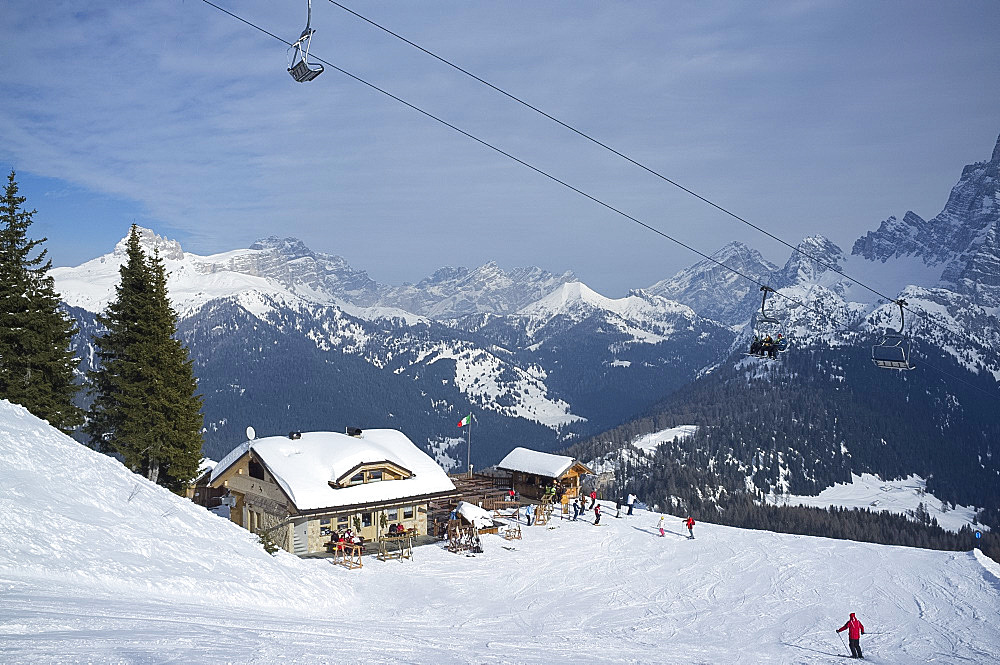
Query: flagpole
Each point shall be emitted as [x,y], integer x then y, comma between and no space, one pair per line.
[468,453]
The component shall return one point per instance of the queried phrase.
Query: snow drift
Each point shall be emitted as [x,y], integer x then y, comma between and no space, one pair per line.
[74,517]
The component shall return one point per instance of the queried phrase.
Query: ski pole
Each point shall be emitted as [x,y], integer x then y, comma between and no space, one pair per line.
[842,642]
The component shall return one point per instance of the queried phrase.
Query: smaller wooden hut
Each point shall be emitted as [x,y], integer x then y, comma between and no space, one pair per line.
[534,472]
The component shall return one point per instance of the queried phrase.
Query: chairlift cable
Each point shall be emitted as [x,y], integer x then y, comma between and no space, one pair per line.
[598,142]
[822,314]
[632,161]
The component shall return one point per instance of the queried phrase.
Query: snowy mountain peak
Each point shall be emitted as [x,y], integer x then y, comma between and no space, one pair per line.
[639,310]
[737,252]
[570,297]
[996,151]
[443,274]
[715,291]
[169,249]
[453,292]
[289,247]
[814,257]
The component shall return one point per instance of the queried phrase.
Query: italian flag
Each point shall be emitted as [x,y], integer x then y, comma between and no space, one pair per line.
[465,421]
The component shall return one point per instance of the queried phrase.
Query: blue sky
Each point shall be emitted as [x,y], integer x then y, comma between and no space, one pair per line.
[804,117]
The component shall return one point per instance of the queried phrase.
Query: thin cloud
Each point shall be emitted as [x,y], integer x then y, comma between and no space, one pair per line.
[786,113]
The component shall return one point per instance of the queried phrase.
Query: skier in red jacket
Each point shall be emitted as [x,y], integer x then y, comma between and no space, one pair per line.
[689,523]
[854,632]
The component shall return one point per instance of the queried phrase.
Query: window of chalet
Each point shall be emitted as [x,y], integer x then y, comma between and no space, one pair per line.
[408,512]
[342,522]
[357,478]
[366,519]
[374,476]
[392,514]
[256,470]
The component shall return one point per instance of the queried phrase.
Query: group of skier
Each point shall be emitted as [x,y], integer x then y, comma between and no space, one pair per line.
[688,522]
[767,346]
[579,506]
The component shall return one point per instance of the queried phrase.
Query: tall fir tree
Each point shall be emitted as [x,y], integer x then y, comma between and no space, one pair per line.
[36,361]
[145,404]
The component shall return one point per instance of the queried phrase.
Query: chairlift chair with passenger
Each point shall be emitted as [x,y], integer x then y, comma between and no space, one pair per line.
[298,65]
[767,325]
[893,352]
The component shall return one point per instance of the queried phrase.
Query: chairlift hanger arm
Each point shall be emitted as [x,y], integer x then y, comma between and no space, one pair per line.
[765,290]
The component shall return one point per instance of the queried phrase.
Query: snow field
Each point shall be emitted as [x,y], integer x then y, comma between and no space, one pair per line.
[87,576]
[901,496]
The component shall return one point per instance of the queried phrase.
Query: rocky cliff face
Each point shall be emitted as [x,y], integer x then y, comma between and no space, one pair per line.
[453,292]
[718,293]
[816,260]
[964,239]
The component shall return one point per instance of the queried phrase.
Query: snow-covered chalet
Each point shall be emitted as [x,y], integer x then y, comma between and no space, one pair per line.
[533,471]
[303,487]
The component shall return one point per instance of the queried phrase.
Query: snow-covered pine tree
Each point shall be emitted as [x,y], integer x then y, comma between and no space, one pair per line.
[145,407]
[36,362]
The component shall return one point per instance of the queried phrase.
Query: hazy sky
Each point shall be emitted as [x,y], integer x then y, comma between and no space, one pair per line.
[804,117]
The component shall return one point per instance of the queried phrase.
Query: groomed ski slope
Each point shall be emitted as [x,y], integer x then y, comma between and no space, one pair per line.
[88,575]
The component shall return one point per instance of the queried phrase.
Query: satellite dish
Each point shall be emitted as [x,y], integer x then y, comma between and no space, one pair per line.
[251,434]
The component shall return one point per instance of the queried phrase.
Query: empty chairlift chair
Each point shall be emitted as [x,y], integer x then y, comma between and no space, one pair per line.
[893,352]
[299,62]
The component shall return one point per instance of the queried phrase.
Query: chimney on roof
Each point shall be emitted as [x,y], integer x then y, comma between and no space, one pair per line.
[354,431]
[295,435]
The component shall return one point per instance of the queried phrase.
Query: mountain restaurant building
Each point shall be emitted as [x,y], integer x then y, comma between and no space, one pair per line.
[302,488]
[533,471]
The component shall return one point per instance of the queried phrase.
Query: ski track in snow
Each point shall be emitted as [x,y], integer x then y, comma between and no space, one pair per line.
[617,593]
[99,566]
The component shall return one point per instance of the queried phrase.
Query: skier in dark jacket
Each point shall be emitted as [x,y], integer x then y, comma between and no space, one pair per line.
[597,513]
[854,632]
[767,347]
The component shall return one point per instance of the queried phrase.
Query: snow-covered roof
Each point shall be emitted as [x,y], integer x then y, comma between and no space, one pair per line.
[305,467]
[474,515]
[538,463]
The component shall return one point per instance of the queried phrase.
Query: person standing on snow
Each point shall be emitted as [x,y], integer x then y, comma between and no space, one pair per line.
[663,531]
[689,523]
[631,503]
[593,498]
[527,514]
[854,632]
[576,508]
[597,513]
